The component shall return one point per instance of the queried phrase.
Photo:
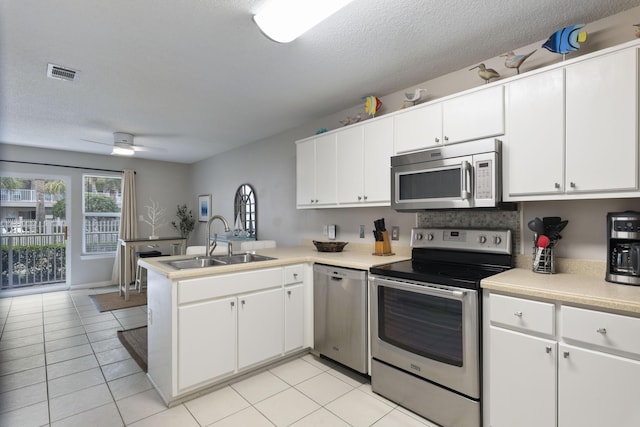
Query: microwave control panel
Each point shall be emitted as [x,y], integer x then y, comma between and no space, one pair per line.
[484,179]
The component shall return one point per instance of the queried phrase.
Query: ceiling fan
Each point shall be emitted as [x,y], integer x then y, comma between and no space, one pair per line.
[123,145]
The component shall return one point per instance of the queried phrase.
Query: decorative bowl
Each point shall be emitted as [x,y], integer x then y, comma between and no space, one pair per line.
[329,246]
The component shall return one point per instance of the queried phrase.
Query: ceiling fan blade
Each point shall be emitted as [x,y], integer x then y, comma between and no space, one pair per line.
[97,142]
[147,149]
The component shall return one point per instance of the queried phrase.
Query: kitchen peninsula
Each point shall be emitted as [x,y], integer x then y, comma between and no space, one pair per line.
[209,325]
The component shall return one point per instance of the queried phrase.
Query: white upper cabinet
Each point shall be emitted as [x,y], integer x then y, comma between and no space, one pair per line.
[572,132]
[418,128]
[316,171]
[472,116]
[602,114]
[475,115]
[534,147]
[364,154]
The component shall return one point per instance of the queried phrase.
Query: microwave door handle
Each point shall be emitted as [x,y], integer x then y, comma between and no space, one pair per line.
[465,180]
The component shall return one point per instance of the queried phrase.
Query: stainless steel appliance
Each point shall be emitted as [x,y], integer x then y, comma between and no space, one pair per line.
[426,322]
[623,248]
[464,175]
[340,315]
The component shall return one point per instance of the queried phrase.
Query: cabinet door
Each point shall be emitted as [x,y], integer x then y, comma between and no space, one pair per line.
[597,389]
[326,169]
[206,341]
[378,149]
[260,327]
[522,380]
[417,128]
[476,115]
[306,173]
[534,148]
[350,161]
[602,114]
[293,317]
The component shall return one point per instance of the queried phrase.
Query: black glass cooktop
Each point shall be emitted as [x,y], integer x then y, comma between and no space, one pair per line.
[451,269]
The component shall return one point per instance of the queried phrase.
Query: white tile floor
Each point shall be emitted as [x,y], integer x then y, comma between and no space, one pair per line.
[61,364]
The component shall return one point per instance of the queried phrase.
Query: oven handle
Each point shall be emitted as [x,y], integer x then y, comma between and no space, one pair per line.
[465,180]
[425,289]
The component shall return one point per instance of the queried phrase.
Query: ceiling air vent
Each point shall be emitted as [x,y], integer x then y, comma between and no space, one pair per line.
[58,72]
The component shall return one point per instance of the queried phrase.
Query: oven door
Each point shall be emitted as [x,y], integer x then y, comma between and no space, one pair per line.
[428,330]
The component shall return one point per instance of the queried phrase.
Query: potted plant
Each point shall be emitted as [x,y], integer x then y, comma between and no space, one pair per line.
[185,223]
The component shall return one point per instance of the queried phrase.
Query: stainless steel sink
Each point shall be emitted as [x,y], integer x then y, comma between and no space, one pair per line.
[216,260]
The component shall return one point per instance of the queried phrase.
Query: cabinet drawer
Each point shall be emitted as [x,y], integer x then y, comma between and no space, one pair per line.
[606,330]
[523,314]
[293,274]
[204,288]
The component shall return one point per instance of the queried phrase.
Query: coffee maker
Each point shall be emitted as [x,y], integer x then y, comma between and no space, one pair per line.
[623,248]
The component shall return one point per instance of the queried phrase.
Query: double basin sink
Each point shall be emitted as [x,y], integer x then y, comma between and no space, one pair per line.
[216,260]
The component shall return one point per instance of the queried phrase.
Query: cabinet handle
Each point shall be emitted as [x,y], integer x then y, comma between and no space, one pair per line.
[437,139]
[518,314]
[557,185]
[446,138]
[602,331]
[242,302]
[289,293]
[548,349]
[233,303]
[295,275]
[359,198]
[572,184]
[565,354]
[311,200]
[365,197]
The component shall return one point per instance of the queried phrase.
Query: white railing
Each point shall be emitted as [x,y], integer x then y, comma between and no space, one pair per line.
[31,226]
[26,196]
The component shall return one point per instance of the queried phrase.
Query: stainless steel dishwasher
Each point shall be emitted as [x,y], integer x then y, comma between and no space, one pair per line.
[340,315]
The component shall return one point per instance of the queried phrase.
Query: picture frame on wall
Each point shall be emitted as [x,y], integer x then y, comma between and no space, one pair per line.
[204,207]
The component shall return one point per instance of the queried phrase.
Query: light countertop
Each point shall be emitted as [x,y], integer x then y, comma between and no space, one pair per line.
[358,257]
[567,288]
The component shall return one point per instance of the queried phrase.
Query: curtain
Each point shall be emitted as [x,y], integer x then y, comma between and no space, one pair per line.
[128,224]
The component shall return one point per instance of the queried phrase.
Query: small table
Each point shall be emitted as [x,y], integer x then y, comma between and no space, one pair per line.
[127,250]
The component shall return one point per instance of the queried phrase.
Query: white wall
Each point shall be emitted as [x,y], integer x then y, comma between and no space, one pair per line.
[163,182]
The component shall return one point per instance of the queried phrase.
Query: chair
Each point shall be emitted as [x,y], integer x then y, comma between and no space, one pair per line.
[140,271]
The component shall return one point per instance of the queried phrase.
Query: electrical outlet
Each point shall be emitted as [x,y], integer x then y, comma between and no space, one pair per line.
[362,231]
[395,232]
[325,230]
[332,232]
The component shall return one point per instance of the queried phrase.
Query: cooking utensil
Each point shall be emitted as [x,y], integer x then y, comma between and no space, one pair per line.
[542,244]
[536,225]
[554,232]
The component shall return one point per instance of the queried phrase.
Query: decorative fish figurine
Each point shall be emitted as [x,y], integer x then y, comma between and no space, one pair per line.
[515,61]
[485,73]
[566,39]
[371,105]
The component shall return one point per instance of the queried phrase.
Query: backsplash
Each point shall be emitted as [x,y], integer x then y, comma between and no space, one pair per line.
[467,218]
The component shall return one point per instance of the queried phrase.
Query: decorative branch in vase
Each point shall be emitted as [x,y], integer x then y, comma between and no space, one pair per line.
[155,218]
[186,222]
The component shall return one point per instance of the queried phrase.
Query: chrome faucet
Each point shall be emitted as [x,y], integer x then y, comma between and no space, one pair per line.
[211,248]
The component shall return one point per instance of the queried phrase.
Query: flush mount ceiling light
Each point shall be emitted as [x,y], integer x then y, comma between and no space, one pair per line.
[123,151]
[285,20]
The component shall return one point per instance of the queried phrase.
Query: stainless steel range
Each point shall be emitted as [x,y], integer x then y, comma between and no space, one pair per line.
[426,322]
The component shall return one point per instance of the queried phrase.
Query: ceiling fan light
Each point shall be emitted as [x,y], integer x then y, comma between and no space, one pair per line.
[123,151]
[285,20]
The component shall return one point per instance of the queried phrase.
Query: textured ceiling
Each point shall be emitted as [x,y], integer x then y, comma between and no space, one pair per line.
[196,77]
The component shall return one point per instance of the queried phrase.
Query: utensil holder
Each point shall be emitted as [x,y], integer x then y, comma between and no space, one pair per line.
[543,260]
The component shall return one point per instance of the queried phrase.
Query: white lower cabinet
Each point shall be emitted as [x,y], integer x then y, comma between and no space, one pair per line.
[293,317]
[260,327]
[206,332]
[596,389]
[523,374]
[584,374]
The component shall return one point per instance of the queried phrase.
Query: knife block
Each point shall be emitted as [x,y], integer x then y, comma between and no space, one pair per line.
[384,247]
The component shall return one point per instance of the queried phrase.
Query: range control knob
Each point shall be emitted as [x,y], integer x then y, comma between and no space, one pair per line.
[482,239]
[497,240]
[419,236]
[429,237]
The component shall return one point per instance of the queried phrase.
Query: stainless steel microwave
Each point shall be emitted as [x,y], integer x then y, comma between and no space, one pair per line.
[456,176]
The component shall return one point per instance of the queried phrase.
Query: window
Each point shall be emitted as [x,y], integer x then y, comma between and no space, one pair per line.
[101,207]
